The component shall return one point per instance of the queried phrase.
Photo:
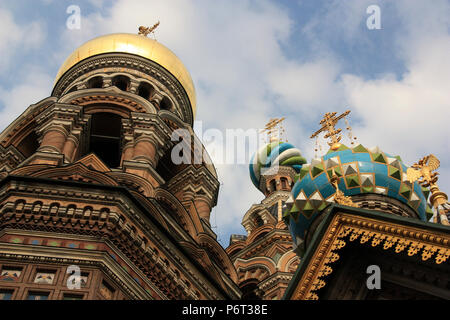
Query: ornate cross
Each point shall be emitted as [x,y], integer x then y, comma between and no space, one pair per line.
[422,171]
[145,31]
[328,124]
[271,128]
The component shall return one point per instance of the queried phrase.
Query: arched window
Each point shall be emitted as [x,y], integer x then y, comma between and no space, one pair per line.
[165,104]
[145,90]
[258,221]
[284,184]
[121,82]
[250,290]
[95,82]
[105,138]
[273,185]
[29,145]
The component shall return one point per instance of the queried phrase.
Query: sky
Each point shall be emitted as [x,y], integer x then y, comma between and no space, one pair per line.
[254,60]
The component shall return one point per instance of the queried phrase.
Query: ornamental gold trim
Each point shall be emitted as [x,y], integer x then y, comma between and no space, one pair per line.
[367,231]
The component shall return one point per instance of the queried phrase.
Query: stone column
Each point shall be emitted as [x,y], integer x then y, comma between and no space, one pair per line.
[71,146]
[155,99]
[127,140]
[107,82]
[151,137]
[54,138]
[59,128]
[145,150]
[133,86]
[202,204]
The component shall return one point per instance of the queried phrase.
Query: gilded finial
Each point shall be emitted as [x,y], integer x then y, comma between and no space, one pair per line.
[328,123]
[339,196]
[145,31]
[274,129]
[422,171]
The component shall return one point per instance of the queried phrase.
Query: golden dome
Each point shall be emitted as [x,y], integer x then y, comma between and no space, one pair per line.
[138,45]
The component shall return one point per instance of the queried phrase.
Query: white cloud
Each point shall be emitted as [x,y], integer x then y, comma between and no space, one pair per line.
[15,37]
[409,116]
[33,87]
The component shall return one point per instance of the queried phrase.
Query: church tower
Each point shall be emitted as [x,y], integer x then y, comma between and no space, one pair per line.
[92,203]
[264,259]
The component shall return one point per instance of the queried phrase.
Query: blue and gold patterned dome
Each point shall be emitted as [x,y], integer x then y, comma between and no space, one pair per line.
[361,171]
[276,153]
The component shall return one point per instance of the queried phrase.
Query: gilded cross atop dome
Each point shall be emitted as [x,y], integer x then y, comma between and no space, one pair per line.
[145,31]
[328,123]
[274,129]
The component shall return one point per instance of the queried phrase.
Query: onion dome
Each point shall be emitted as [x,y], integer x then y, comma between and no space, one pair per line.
[361,171]
[136,45]
[274,154]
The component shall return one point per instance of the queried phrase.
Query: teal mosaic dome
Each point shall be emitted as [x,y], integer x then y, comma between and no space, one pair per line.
[273,154]
[361,170]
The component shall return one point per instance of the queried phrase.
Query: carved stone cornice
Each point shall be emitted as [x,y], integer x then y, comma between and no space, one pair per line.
[151,126]
[346,227]
[58,218]
[195,181]
[66,115]
[136,66]
[275,197]
[274,280]
[10,158]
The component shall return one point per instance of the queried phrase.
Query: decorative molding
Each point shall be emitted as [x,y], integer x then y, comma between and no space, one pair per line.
[138,66]
[398,238]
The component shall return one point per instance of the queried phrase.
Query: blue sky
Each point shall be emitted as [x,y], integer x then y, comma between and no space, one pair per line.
[253,60]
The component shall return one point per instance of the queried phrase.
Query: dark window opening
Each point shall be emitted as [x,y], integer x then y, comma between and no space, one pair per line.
[34,295]
[105,138]
[6,294]
[121,82]
[284,183]
[145,90]
[72,296]
[106,290]
[258,221]
[96,82]
[273,185]
[29,145]
[165,104]
[250,291]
